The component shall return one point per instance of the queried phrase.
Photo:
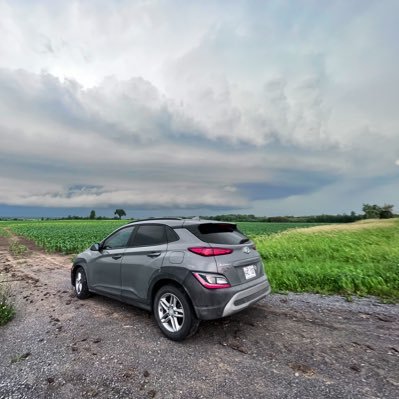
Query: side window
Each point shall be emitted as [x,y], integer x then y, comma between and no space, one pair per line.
[171,235]
[149,235]
[119,239]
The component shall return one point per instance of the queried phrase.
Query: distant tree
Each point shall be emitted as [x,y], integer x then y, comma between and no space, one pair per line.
[378,212]
[371,211]
[120,213]
[92,214]
[387,212]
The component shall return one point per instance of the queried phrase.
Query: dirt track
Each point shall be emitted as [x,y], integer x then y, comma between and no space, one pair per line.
[295,346]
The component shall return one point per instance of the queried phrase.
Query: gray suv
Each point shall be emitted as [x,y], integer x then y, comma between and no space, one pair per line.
[183,270]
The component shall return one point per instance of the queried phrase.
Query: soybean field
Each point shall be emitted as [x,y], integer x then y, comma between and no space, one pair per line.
[359,258]
[73,236]
[67,237]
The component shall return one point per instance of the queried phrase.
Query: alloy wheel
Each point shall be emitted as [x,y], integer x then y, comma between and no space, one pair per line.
[171,312]
[78,283]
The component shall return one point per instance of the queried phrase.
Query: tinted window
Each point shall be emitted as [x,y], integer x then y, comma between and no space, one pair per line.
[219,233]
[119,239]
[149,235]
[171,235]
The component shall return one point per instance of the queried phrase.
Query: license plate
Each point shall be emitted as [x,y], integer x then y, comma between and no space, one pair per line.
[249,271]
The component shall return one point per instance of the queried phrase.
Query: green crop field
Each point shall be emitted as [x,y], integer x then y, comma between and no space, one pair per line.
[73,236]
[65,236]
[353,259]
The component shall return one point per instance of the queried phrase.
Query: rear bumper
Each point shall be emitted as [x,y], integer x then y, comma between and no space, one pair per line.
[247,297]
[214,304]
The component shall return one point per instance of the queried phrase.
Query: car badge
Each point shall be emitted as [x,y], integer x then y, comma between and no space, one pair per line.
[246,250]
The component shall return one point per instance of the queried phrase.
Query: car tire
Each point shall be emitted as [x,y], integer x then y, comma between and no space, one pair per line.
[174,313]
[81,287]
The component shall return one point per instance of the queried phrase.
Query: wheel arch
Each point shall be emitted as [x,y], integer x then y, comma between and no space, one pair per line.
[79,262]
[163,280]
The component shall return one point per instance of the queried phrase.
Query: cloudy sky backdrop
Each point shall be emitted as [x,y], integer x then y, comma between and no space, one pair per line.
[198,107]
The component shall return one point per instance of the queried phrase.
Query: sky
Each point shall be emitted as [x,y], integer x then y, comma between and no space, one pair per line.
[183,107]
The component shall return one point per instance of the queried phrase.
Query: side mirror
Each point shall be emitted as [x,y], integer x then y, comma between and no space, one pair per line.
[95,247]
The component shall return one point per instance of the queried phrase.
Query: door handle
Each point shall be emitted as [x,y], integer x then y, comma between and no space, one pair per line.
[116,257]
[154,254]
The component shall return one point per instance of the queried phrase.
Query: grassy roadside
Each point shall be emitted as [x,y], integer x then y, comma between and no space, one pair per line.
[356,259]
[6,308]
[7,311]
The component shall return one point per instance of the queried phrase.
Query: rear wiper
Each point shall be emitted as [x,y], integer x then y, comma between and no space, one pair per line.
[244,240]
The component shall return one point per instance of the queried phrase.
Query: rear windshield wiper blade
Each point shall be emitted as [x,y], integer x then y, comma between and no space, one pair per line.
[244,240]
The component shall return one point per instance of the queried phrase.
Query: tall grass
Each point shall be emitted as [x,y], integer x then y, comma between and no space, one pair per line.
[360,259]
[266,228]
[6,308]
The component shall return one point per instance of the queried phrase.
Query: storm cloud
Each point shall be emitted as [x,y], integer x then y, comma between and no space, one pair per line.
[269,108]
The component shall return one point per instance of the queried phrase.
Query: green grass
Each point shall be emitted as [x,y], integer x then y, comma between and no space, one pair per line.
[253,229]
[4,232]
[17,249]
[356,259]
[7,311]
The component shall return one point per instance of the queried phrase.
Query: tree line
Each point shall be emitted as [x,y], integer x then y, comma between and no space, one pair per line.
[92,216]
[370,211]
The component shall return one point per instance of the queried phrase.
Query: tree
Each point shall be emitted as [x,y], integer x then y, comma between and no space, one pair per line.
[92,214]
[386,211]
[378,212]
[371,211]
[120,213]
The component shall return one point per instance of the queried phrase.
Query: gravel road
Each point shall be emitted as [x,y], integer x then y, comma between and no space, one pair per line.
[286,346]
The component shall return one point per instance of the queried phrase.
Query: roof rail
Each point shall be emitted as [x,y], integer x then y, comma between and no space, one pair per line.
[149,219]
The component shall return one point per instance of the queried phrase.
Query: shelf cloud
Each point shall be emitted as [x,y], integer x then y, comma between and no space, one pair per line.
[269,108]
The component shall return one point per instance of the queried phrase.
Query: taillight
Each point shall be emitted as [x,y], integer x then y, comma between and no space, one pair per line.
[211,280]
[208,251]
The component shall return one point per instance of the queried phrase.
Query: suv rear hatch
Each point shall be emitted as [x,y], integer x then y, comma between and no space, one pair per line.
[240,266]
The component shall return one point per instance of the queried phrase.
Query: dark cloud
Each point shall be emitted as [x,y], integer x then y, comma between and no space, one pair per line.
[271,103]
[286,184]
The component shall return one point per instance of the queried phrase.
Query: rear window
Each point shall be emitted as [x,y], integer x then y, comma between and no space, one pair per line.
[218,233]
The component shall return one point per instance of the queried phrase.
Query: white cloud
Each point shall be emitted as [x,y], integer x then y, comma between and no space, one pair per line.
[186,106]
